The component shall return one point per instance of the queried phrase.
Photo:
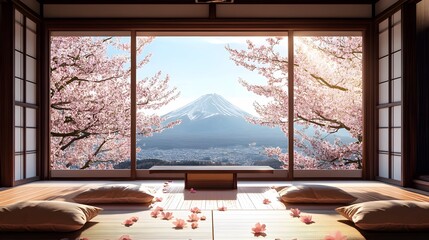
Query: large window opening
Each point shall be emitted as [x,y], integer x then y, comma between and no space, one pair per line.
[276,100]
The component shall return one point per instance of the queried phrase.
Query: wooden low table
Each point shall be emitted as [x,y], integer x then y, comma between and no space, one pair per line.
[211,177]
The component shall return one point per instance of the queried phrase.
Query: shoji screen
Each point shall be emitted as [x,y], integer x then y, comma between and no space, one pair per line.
[390,97]
[26,105]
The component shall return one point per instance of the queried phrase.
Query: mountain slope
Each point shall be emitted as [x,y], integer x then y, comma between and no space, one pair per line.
[207,106]
[212,121]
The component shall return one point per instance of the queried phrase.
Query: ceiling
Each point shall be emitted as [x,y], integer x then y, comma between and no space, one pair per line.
[193,1]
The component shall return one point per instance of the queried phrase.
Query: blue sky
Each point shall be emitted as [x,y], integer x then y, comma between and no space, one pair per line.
[201,65]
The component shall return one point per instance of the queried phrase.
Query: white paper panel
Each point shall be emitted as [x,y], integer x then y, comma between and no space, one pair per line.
[397,168]
[397,116]
[397,90]
[383,44]
[383,93]
[19,17]
[30,93]
[383,69]
[19,116]
[383,165]
[383,25]
[19,38]
[397,64]
[19,88]
[30,67]
[19,137]
[397,37]
[30,165]
[19,65]
[19,171]
[397,140]
[31,25]
[396,17]
[383,117]
[30,139]
[383,139]
[30,117]
[31,43]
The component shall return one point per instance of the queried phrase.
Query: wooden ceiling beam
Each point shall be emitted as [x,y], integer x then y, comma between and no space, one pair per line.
[193,1]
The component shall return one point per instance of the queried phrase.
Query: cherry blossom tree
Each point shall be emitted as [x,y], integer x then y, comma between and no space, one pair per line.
[327,97]
[91,101]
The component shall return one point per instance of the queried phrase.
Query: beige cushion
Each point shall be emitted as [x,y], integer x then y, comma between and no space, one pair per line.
[116,193]
[52,216]
[315,194]
[391,215]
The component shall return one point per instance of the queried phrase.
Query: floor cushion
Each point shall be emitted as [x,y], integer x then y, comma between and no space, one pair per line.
[315,194]
[116,193]
[52,216]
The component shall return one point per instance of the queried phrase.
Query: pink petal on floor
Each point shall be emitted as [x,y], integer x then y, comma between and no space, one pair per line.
[337,235]
[195,210]
[194,225]
[125,237]
[179,223]
[223,208]
[128,223]
[295,212]
[307,219]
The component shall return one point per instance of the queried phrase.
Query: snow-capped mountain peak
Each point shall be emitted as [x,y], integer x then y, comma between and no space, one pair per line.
[207,106]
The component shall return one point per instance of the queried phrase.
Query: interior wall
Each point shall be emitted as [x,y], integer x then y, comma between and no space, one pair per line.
[202,11]
[422,53]
[382,5]
[32,4]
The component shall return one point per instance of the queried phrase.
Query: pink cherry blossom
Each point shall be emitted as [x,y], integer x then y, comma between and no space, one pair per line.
[194,225]
[128,222]
[203,218]
[337,235]
[154,213]
[90,96]
[179,223]
[258,228]
[160,209]
[195,210]
[158,199]
[266,201]
[307,219]
[327,97]
[223,208]
[167,215]
[295,212]
[193,217]
[192,190]
[125,237]
[134,218]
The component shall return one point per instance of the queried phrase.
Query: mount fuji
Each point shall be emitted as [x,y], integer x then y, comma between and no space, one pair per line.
[212,121]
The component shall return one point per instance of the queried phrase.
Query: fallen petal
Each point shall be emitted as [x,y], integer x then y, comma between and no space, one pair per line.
[337,235]
[307,219]
[128,223]
[295,212]
[125,237]
[195,210]
[194,225]
[223,208]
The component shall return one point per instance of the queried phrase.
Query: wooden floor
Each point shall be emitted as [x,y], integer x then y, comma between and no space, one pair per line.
[244,208]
